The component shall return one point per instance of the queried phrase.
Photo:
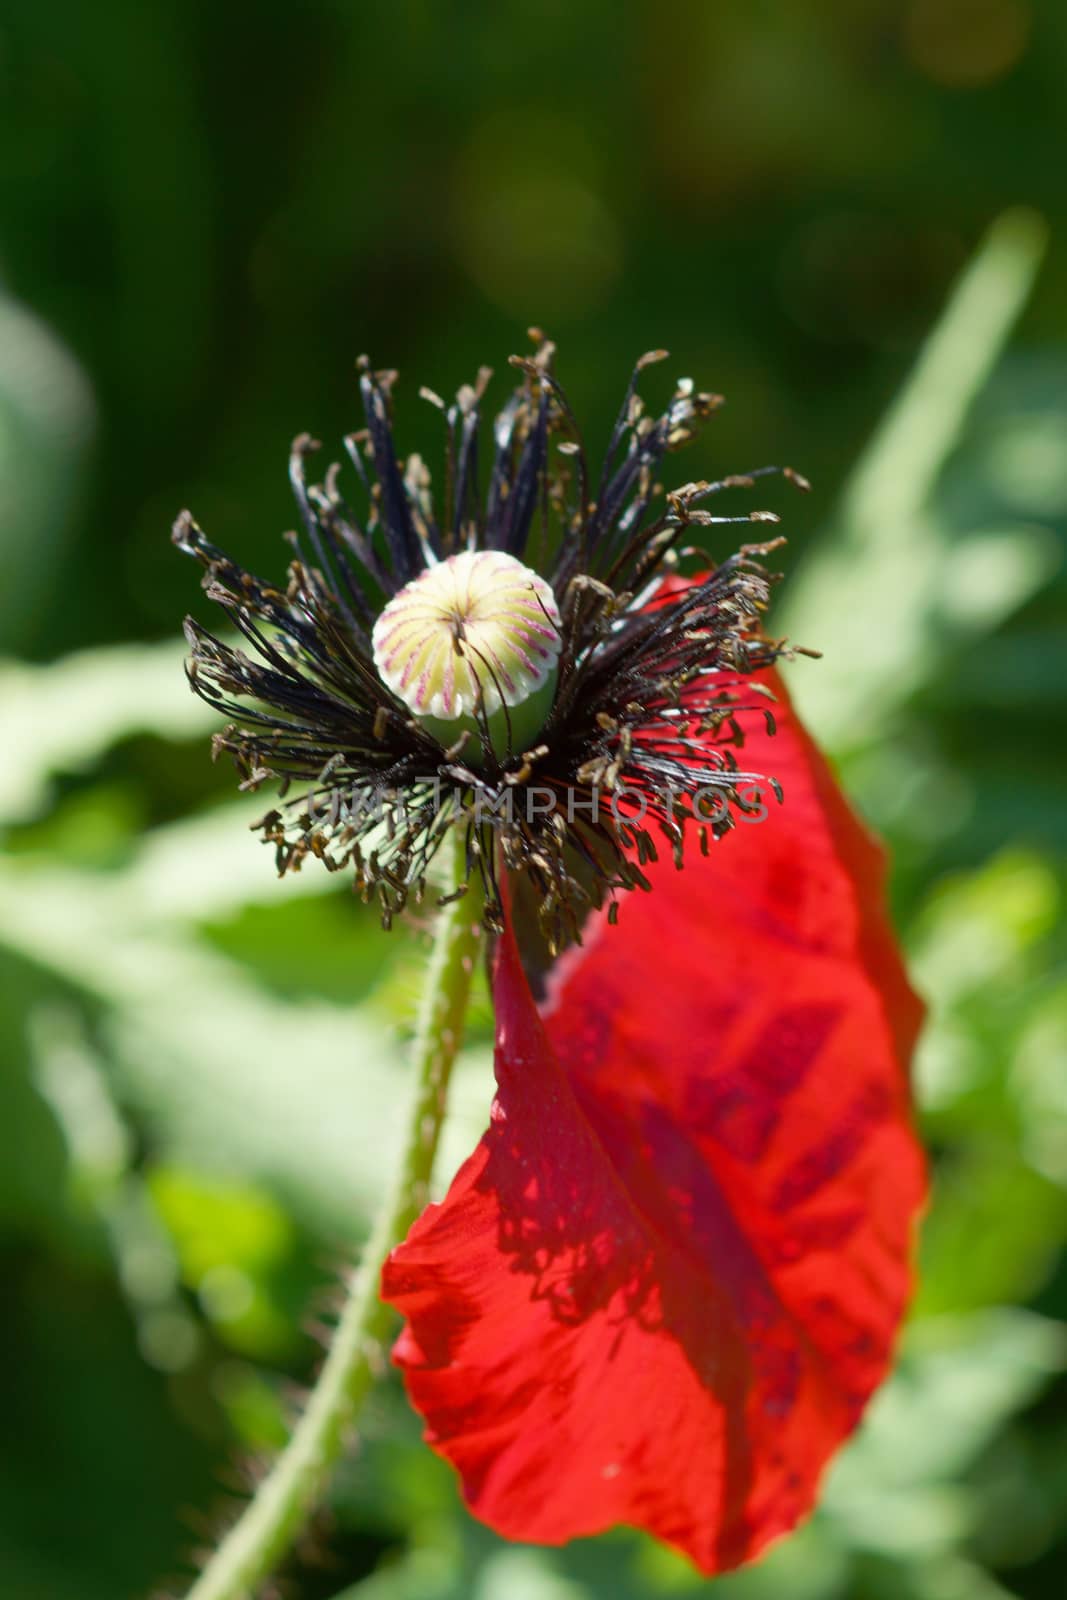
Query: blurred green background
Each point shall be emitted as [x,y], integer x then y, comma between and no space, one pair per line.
[205,213]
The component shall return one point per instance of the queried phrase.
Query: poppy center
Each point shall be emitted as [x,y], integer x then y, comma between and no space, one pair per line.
[472,645]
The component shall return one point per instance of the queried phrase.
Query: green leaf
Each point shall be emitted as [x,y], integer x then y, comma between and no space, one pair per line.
[897,1487]
[47,418]
[303,1096]
[888,587]
[62,717]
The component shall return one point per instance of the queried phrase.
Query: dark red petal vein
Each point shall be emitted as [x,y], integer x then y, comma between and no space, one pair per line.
[668,1279]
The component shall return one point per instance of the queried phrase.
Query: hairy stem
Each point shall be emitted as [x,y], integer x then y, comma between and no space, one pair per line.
[289,1495]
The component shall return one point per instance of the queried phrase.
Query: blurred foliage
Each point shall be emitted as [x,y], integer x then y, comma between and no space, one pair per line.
[205,213]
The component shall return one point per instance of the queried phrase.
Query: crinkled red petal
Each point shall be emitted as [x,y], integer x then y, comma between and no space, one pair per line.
[665,1284]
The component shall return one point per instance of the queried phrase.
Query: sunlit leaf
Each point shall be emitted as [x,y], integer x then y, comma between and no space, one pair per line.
[881,595]
[60,718]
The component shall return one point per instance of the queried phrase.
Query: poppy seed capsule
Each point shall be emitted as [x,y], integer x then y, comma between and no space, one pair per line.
[472,646]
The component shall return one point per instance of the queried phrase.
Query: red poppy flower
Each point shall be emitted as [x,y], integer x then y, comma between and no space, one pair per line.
[665,1284]
[662,1289]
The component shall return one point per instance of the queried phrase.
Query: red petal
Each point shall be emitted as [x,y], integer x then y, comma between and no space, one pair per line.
[668,1279]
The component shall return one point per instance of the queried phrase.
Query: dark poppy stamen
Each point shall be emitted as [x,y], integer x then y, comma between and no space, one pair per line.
[563,777]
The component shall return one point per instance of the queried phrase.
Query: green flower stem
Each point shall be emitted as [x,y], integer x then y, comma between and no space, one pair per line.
[288,1496]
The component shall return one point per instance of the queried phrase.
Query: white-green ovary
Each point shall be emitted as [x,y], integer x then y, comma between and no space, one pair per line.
[472,646]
